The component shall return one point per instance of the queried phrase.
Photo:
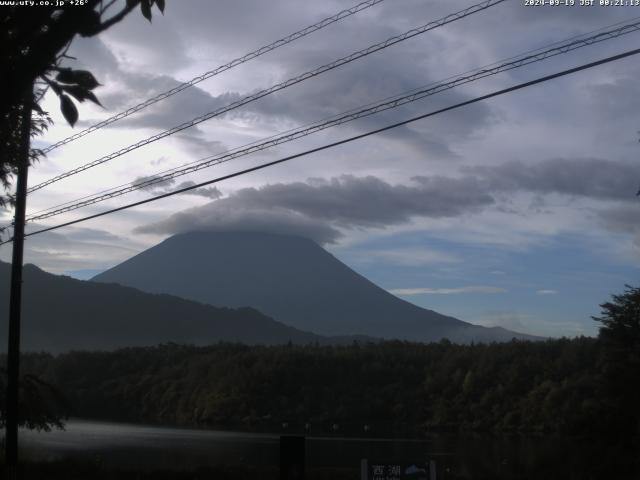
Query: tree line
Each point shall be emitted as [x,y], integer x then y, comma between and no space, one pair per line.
[580,386]
[554,386]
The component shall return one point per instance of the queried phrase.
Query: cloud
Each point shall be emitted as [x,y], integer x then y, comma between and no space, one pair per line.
[345,202]
[143,45]
[74,249]
[349,202]
[144,183]
[199,145]
[408,257]
[168,113]
[366,82]
[606,97]
[92,54]
[621,218]
[589,177]
[532,324]
[546,292]
[208,192]
[166,186]
[228,217]
[125,87]
[590,115]
[447,291]
[353,85]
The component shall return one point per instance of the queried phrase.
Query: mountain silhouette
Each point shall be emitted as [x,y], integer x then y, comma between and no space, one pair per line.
[60,313]
[291,279]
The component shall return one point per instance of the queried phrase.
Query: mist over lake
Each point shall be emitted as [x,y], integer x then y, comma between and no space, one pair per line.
[479,456]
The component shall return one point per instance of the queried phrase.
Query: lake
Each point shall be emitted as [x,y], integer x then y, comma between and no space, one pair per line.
[457,456]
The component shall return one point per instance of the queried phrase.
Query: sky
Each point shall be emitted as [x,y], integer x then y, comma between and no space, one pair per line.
[519,211]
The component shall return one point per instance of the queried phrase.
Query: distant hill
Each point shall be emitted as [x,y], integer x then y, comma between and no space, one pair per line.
[290,278]
[61,314]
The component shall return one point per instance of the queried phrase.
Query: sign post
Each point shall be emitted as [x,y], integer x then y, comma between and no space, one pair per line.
[376,470]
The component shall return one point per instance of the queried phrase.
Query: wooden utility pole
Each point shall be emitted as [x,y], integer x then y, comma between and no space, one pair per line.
[15,301]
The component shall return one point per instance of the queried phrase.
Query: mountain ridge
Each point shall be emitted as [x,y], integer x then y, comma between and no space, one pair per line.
[291,279]
[60,313]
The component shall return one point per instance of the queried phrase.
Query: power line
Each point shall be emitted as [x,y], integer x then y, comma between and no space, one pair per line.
[280,86]
[371,109]
[218,70]
[341,142]
[485,67]
[579,37]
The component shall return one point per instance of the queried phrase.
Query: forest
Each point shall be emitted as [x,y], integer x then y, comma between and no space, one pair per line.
[554,386]
[580,386]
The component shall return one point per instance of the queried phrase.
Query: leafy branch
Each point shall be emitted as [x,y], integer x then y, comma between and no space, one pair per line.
[33,41]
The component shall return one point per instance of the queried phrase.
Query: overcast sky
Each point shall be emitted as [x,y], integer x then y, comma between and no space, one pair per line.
[519,211]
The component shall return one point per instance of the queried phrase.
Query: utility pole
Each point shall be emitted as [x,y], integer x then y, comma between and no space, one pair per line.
[13,352]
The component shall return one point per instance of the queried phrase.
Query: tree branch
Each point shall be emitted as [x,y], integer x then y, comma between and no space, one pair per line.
[113,20]
[103,9]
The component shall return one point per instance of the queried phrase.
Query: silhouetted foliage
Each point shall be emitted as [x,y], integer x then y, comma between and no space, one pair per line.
[33,42]
[42,406]
[620,339]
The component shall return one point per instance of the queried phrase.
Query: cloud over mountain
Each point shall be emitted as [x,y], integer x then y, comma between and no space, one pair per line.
[319,208]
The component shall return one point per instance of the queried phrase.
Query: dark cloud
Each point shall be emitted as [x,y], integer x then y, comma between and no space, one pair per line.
[208,192]
[321,208]
[318,208]
[400,68]
[369,81]
[197,144]
[228,217]
[169,185]
[305,104]
[143,183]
[168,113]
[589,177]
[621,219]
[351,201]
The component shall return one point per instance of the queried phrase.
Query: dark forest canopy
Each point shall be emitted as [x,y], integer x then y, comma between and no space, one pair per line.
[554,386]
[581,386]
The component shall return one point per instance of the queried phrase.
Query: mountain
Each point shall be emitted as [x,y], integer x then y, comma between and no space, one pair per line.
[60,313]
[291,279]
